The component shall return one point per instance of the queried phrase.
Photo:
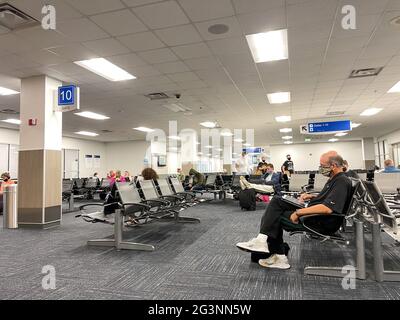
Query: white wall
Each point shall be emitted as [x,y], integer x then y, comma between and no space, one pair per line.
[391,138]
[306,156]
[9,136]
[127,155]
[87,147]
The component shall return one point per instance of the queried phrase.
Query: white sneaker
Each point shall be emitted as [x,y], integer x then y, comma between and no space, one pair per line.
[277,261]
[254,245]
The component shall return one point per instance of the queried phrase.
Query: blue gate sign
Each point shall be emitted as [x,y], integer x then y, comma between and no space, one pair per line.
[331,126]
[66,95]
[253,150]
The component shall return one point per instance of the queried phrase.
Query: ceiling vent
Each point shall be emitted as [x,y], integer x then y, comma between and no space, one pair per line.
[218,29]
[369,72]
[12,18]
[106,131]
[177,107]
[335,113]
[157,96]
[9,111]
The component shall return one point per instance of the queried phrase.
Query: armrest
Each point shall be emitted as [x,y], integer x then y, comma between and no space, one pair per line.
[320,215]
[159,201]
[142,205]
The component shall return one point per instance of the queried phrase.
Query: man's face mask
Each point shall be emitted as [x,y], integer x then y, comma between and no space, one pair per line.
[325,171]
[289,158]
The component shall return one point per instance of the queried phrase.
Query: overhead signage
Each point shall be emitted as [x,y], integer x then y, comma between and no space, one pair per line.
[326,127]
[254,150]
[67,98]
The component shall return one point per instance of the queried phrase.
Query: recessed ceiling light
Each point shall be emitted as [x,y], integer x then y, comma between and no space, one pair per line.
[341,134]
[7,92]
[12,121]
[105,69]
[247,144]
[208,124]
[198,143]
[371,112]
[283,118]
[278,97]
[307,140]
[238,140]
[333,140]
[395,88]
[226,134]
[355,125]
[174,138]
[268,46]
[87,133]
[208,147]
[209,155]
[144,129]
[200,153]
[288,142]
[92,115]
[219,150]
[173,148]
[287,137]
[285,130]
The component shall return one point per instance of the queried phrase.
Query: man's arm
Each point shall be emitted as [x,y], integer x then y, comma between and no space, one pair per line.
[317,209]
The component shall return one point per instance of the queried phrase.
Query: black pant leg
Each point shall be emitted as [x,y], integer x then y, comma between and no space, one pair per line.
[276,245]
[270,222]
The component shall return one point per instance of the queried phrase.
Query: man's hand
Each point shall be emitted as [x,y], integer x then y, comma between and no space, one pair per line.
[305,197]
[294,218]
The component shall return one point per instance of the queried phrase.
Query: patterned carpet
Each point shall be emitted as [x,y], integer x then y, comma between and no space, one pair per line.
[191,261]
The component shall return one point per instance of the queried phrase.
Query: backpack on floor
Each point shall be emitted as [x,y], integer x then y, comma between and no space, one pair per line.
[247,199]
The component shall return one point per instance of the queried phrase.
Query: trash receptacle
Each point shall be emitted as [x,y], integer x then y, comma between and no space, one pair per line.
[10,209]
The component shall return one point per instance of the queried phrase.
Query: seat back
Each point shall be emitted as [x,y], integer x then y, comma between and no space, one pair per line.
[297,181]
[127,193]
[363,176]
[178,187]
[105,183]
[211,179]
[78,182]
[319,182]
[164,187]
[91,183]
[236,181]
[68,185]
[387,182]
[148,189]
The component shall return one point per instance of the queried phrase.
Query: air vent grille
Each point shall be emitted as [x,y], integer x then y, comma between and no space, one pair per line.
[369,72]
[106,131]
[157,96]
[12,18]
[9,111]
[335,113]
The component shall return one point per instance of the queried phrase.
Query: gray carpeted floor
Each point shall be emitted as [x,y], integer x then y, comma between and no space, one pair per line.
[191,261]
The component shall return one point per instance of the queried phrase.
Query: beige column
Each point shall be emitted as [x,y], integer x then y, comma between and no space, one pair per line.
[39,172]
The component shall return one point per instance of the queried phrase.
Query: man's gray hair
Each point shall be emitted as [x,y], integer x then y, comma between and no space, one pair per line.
[337,160]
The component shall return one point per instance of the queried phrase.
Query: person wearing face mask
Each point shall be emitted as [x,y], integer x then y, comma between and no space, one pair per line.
[288,166]
[6,181]
[331,199]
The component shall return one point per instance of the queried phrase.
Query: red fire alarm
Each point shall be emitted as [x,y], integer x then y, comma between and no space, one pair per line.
[32,122]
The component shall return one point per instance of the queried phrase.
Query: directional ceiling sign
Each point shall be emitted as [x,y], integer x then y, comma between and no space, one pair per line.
[326,127]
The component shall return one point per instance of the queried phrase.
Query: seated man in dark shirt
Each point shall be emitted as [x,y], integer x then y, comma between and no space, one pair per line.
[348,172]
[332,198]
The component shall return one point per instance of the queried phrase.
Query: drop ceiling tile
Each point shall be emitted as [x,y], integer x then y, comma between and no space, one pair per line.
[229,46]
[183,76]
[161,15]
[202,63]
[74,52]
[172,67]
[127,60]
[81,30]
[247,6]
[119,23]
[197,50]
[44,57]
[13,43]
[143,71]
[141,41]
[263,21]
[311,11]
[68,69]
[136,3]
[106,47]
[90,7]
[37,37]
[158,56]
[14,61]
[207,9]
[231,22]
[180,35]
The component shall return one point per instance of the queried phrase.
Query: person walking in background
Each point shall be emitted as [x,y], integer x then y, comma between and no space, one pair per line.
[241,164]
[6,180]
[288,166]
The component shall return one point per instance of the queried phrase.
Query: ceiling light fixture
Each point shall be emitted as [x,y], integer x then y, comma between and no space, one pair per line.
[144,129]
[92,115]
[7,92]
[288,142]
[238,140]
[174,138]
[307,140]
[283,118]
[226,134]
[333,140]
[247,144]
[268,46]
[209,124]
[12,121]
[371,112]
[287,138]
[355,125]
[278,97]
[285,130]
[105,69]
[395,88]
[341,134]
[87,133]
